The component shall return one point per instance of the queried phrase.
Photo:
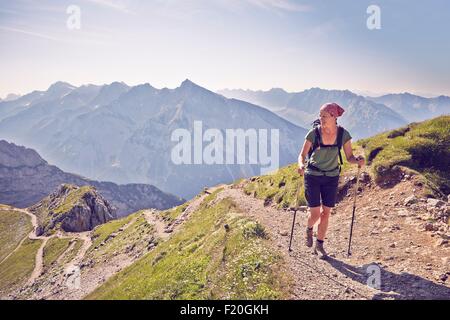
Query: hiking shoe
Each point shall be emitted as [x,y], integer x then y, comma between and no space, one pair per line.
[320,250]
[309,237]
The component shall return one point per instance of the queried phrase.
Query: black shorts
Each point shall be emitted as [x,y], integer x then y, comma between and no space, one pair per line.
[317,187]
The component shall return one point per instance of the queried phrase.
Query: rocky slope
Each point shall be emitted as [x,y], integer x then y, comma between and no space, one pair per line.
[26,178]
[72,209]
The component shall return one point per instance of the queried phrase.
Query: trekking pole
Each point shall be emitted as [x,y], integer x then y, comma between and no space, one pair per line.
[353,214]
[295,212]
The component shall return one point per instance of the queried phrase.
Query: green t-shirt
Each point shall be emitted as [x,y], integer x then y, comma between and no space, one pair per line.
[325,158]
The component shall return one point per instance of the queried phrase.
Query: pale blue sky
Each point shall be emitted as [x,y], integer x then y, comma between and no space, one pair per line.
[255,44]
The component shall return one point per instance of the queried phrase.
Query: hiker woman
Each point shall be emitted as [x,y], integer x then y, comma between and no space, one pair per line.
[321,149]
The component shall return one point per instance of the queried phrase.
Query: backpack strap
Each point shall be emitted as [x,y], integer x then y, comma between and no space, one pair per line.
[316,143]
[340,136]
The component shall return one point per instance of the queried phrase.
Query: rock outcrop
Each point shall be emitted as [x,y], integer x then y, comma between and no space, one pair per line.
[72,209]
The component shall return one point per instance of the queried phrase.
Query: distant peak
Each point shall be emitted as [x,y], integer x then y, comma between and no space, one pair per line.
[11,97]
[61,84]
[142,88]
[117,84]
[278,90]
[187,83]
[113,86]
[314,89]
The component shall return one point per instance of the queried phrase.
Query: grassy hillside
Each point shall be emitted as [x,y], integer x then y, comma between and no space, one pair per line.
[423,148]
[18,267]
[204,261]
[68,257]
[53,249]
[279,188]
[129,234]
[170,215]
[14,226]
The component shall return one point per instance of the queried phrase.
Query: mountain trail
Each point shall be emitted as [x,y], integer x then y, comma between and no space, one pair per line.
[392,257]
[39,257]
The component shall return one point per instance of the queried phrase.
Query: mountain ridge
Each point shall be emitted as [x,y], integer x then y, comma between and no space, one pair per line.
[26,178]
[128,140]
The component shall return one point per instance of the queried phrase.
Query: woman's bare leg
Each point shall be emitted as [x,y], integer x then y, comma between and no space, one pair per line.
[314,216]
[323,225]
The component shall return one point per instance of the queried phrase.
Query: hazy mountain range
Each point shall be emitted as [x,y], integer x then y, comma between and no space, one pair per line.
[364,116]
[26,178]
[123,134]
[415,108]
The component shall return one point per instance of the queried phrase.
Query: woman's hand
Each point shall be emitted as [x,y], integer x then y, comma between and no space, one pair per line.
[360,161]
[301,169]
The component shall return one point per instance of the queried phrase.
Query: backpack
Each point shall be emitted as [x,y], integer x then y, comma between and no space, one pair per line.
[318,143]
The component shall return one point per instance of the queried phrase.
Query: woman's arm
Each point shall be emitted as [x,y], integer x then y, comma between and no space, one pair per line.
[302,156]
[349,154]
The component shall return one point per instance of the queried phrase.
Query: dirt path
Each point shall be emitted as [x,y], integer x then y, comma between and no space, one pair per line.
[354,277]
[160,226]
[87,242]
[39,262]
[193,205]
[90,276]
[39,258]
[38,266]
[314,279]
[31,235]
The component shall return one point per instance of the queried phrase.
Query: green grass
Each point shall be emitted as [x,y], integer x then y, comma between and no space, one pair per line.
[422,148]
[53,249]
[14,226]
[101,232]
[19,266]
[204,261]
[138,234]
[72,253]
[279,188]
[171,214]
[72,198]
